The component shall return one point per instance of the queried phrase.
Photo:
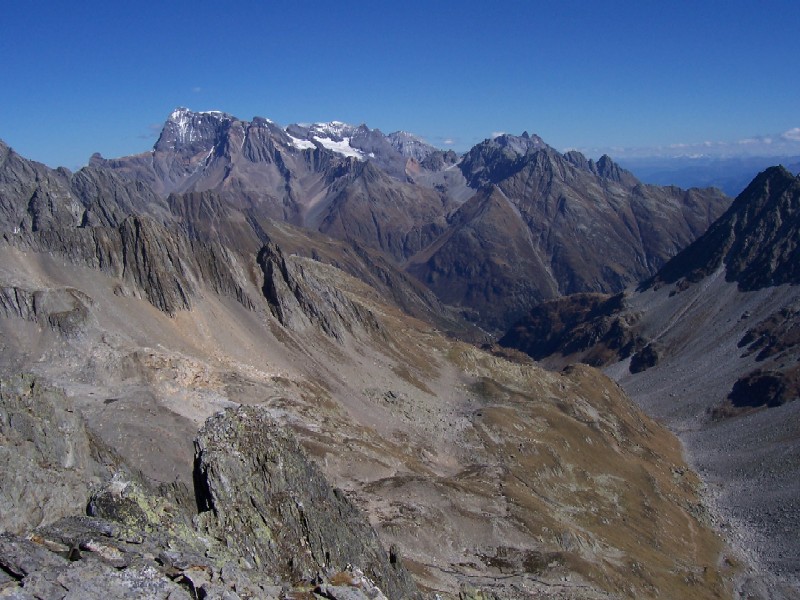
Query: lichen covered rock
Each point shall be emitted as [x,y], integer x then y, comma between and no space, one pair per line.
[266,501]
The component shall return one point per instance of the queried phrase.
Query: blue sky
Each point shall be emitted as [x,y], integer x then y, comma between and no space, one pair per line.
[620,77]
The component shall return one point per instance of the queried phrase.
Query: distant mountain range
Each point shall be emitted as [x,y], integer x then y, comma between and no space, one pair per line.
[491,233]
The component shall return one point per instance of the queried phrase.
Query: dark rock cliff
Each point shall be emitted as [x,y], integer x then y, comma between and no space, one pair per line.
[300,294]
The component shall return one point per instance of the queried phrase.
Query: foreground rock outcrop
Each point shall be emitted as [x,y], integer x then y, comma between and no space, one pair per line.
[260,494]
[269,523]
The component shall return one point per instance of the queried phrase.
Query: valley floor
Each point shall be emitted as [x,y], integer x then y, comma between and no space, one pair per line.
[750,463]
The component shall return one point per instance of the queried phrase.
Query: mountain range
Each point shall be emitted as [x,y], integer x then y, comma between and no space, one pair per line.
[430,211]
[323,286]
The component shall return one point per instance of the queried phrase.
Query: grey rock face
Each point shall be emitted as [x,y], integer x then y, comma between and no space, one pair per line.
[35,198]
[263,498]
[300,295]
[102,220]
[268,519]
[46,456]
[63,310]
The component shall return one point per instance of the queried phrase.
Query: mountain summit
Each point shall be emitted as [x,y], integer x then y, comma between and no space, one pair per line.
[757,239]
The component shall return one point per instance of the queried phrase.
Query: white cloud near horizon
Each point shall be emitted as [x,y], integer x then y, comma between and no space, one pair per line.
[783,144]
[792,135]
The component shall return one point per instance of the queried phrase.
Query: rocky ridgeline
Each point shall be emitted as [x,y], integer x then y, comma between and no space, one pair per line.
[300,297]
[262,522]
[756,238]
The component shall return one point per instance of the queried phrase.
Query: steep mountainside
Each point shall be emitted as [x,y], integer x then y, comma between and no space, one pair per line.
[711,344]
[480,476]
[569,225]
[757,239]
[34,197]
[593,225]
[579,225]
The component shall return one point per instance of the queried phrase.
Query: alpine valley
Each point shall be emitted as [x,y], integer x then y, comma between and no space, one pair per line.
[262,362]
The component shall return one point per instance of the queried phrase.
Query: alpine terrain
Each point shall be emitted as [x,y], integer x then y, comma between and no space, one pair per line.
[244,365]
[709,346]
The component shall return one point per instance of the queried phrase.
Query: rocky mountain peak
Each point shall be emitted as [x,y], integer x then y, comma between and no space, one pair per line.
[187,129]
[410,145]
[756,239]
[608,169]
[497,159]
[521,144]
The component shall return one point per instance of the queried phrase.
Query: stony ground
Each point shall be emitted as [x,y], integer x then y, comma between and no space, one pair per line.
[750,463]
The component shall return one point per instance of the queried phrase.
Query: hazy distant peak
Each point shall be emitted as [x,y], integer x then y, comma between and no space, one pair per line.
[520,144]
[410,145]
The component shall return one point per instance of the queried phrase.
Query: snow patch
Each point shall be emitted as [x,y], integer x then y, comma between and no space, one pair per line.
[301,144]
[342,147]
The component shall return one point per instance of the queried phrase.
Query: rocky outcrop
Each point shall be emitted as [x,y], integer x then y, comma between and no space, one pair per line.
[268,523]
[776,336]
[302,292]
[644,359]
[769,388]
[64,310]
[163,266]
[46,456]
[259,494]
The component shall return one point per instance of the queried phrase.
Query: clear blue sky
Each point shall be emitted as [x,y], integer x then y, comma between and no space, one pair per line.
[80,77]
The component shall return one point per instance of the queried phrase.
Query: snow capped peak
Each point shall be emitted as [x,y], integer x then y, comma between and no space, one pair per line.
[185,126]
[333,129]
[178,113]
[182,114]
[334,136]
